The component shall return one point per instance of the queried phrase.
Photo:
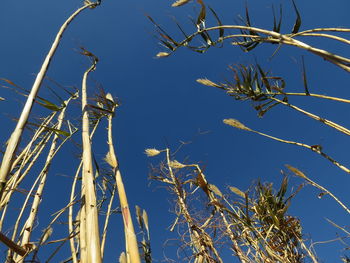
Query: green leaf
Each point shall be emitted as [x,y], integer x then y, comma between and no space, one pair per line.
[47,128]
[60,132]
[47,104]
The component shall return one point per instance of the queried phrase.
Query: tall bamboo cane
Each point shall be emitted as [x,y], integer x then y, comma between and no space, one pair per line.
[17,133]
[89,229]
[132,251]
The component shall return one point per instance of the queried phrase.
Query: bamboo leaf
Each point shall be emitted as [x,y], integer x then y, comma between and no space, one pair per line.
[221,30]
[297,23]
[304,77]
[264,78]
[48,105]
[99,108]
[247,16]
[47,128]
[283,189]
[167,45]
[145,221]
[251,46]
[9,82]
[202,14]
[138,216]
[161,31]
[277,27]
[181,29]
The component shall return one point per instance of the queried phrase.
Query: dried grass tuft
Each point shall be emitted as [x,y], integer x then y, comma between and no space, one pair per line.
[152,152]
[207,82]
[235,123]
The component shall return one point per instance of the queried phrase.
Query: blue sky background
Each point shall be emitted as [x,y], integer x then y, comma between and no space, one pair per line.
[162,104]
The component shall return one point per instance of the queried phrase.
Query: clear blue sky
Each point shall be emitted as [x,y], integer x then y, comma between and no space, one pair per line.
[162,104]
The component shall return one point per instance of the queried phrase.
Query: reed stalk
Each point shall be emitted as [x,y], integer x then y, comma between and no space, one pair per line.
[132,251]
[16,135]
[89,228]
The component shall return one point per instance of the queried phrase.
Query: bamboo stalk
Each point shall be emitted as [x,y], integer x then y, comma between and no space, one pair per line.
[132,251]
[200,240]
[271,37]
[89,228]
[297,172]
[315,148]
[313,116]
[28,227]
[70,210]
[15,138]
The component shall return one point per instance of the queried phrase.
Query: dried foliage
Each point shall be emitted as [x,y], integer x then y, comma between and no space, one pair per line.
[249,37]
[254,225]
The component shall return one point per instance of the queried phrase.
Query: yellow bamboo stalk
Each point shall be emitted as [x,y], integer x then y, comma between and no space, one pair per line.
[17,133]
[315,148]
[273,37]
[89,228]
[132,251]
[72,197]
[315,117]
[297,172]
[200,240]
[28,227]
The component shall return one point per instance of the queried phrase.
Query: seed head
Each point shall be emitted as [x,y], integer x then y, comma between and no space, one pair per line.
[152,152]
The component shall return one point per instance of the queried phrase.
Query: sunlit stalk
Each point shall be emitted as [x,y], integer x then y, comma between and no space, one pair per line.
[17,133]
[89,228]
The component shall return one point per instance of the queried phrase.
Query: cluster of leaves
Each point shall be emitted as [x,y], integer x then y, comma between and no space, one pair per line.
[248,39]
[254,224]
[252,83]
